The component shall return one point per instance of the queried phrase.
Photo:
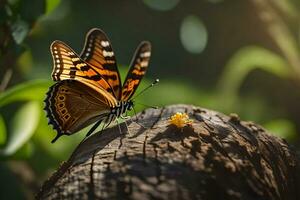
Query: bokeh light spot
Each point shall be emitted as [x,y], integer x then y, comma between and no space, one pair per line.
[193,34]
[162,5]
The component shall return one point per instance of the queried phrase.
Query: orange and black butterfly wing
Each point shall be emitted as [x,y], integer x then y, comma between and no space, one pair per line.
[69,66]
[98,53]
[72,105]
[137,70]
[80,97]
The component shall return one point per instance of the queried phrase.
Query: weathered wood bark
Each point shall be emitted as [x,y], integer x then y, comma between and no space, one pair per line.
[217,157]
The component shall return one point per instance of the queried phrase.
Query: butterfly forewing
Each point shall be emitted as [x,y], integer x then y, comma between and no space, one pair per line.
[137,70]
[98,53]
[68,66]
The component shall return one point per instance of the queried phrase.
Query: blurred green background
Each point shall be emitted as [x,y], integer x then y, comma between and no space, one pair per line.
[228,55]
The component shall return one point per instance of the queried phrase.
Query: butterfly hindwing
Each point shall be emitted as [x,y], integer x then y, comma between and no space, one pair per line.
[98,53]
[137,70]
[71,106]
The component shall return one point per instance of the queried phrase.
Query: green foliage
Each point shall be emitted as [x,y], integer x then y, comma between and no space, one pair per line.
[25,121]
[62,147]
[25,63]
[282,128]
[22,127]
[31,90]
[51,5]
[178,91]
[244,62]
[23,153]
[2,131]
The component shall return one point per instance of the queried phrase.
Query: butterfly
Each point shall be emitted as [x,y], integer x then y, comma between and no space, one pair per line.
[88,87]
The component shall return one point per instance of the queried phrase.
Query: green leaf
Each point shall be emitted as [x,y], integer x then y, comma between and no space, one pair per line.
[242,63]
[51,5]
[63,147]
[31,90]
[23,125]
[282,128]
[2,131]
[24,152]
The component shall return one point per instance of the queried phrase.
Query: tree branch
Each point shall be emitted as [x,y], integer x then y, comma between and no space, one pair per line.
[217,157]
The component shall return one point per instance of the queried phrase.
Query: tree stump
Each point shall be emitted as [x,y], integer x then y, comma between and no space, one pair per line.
[216,157]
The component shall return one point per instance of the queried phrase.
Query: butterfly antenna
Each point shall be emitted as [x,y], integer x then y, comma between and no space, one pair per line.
[151,85]
[148,106]
[137,119]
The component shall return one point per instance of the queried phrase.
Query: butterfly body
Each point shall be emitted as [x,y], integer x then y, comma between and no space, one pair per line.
[121,108]
[88,87]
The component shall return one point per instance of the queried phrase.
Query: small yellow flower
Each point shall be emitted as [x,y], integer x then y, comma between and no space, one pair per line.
[180,120]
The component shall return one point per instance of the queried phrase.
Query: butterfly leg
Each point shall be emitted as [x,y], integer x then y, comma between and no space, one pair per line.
[137,119]
[131,119]
[127,127]
[126,117]
[93,128]
[119,127]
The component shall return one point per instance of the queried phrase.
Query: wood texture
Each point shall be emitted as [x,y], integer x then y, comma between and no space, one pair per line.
[217,157]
